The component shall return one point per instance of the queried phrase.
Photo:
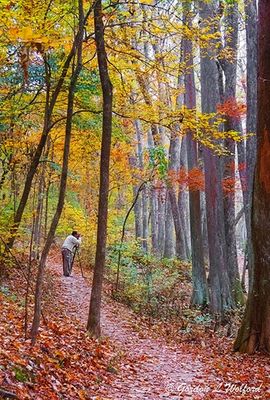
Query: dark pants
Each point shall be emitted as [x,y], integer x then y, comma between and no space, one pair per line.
[67,257]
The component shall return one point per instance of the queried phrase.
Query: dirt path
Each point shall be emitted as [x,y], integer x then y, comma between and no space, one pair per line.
[154,370]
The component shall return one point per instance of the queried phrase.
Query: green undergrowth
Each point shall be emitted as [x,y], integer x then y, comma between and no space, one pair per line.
[159,290]
[150,286]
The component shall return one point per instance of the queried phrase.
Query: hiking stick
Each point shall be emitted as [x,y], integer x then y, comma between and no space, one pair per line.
[80,263]
[79,260]
[72,262]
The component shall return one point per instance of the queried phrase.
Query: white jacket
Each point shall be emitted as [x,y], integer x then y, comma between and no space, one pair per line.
[71,243]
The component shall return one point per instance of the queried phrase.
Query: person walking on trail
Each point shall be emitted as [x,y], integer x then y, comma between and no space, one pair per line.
[71,243]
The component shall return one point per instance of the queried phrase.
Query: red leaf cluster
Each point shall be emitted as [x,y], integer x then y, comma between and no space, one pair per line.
[232,108]
[192,180]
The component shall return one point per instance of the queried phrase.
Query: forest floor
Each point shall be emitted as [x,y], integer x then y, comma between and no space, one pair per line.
[157,367]
[134,360]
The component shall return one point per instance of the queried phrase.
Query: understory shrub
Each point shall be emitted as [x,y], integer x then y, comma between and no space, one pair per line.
[157,288]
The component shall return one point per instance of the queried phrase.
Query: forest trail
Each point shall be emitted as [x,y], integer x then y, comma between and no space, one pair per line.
[153,369]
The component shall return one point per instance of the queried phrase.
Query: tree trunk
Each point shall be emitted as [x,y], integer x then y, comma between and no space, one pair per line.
[154,218]
[153,200]
[38,217]
[169,246]
[93,324]
[161,219]
[220,295]
[183,201]
[139,165]
[142,207]
[138,214]
[232,123]
[252,46]
[199,289]
[254,333]
[145,218]
[173,167]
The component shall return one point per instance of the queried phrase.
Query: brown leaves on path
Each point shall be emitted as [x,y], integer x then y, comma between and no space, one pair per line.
[150,368]
[64,364]
[154,368]
[133,361]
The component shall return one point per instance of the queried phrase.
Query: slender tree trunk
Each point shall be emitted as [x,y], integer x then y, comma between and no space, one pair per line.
[63,181]
[93,324]
[164,101]
[38,217]
[254,333]
[134,162]
[153,141]
[161,219]
[138,214]
[173,167]
[183,200]
[154,218]
[138,163]
[169,246]
[144,195]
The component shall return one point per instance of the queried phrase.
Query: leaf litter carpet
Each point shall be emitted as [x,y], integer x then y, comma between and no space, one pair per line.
[151,368]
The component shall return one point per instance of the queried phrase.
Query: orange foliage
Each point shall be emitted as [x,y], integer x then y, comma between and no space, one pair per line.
[229,185]
[192,179]
[232,108]
[196,179]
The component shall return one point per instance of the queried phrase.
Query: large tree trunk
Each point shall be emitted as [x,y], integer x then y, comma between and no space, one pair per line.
[232,123]
[252,45]
[254,333]
[63,180]
[93,324]
[220,295]
[200,290]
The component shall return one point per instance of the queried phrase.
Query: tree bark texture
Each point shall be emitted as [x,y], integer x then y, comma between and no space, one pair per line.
[232,123]
[251,124]
[200,290]
[220,290]
[254,333]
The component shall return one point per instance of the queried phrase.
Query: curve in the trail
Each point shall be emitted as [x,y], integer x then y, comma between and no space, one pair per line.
[154,369]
